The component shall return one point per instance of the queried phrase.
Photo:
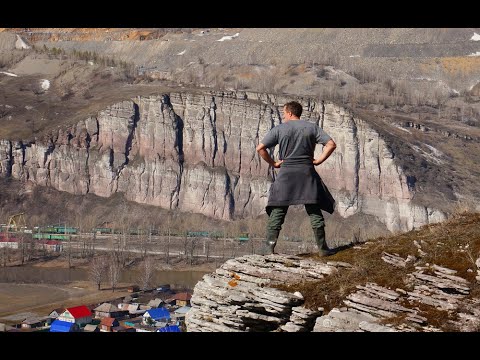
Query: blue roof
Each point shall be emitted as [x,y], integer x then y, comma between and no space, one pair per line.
[61,326]
[159,313]
[171,328]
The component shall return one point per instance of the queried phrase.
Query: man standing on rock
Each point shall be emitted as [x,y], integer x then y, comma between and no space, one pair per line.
[297,181]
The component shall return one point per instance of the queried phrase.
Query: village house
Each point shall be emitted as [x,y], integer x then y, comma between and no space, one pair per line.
[165,288]
[182,299]
[35,322]
[91,328]
[156,315]
[135,310]
[56,313]
[108,323]
[11,243]
[133,288]
[63,326]
[155,303]
[169,303]
[122,329]
[108,310]
[142,328]
[133,323]
[49,245]
[123,307]
[170,328]
[179,314]
[79,315]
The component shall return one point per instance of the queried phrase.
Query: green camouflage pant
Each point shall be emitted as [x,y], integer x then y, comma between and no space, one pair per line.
[276,216]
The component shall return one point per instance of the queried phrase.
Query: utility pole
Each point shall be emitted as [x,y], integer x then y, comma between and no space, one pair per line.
[23,248]
[93,242]
[168,244]
[69,245]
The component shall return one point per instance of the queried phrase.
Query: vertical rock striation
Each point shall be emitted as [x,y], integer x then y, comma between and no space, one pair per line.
[196,152]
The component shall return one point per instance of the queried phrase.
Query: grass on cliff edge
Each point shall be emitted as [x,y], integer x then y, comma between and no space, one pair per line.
[454,244]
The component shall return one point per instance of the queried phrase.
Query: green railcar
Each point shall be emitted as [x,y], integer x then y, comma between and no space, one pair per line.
[198,234]
[104,230]
[59,230]
[59,237]
[243,237]
[65,230]
[51,236]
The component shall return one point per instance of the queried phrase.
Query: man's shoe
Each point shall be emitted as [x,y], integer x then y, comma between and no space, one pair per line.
[322,246]
[267,248]
[270,242]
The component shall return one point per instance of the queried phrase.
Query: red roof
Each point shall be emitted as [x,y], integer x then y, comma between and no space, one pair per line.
[79,311]
[10,239]
[108,321]
[182,296]
[52,242]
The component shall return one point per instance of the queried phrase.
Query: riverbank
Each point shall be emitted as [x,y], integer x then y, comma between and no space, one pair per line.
[20,301]
[175,264]
[36,288]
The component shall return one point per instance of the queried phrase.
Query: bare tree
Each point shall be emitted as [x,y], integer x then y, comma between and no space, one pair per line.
[193,244]
[206,248]
[82,241]
[185,244]
[97,270]
[114,270]
[69,252]
[252,245]
[31,247]
[5,255]
[146,273]
[89,223]
[22,242]
[93,241]
[144,244]
[167,251]
[121,254]
[234,248]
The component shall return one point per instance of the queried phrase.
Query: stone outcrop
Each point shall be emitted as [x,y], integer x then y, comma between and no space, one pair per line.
[236,297]
[239,297]
[196,152]
[442,290]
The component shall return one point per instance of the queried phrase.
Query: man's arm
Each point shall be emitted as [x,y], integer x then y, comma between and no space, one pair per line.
[328,149]
[261,149]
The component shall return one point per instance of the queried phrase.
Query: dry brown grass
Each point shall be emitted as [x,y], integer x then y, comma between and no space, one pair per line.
[460,65]
[454,244]
[368,267]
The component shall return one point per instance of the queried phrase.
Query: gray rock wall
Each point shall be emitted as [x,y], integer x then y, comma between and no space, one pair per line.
[196,152]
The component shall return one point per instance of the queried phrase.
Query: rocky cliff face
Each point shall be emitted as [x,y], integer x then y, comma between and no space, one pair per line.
[196,152]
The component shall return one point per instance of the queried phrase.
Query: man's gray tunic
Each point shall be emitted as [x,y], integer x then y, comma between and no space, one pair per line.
[297,181]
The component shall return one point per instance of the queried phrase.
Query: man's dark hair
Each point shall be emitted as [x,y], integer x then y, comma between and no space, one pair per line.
[294,107]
